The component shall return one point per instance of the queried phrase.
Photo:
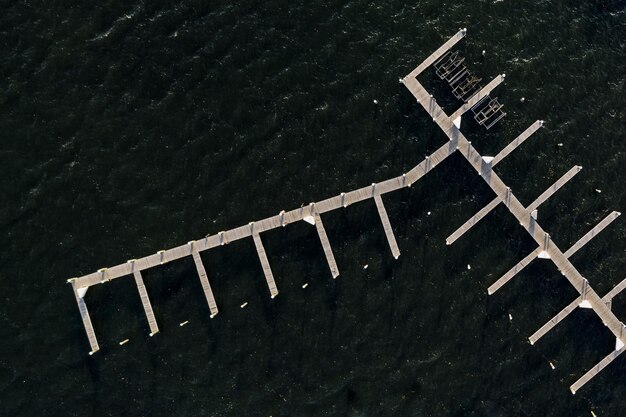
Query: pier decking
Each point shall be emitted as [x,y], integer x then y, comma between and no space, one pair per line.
[594,371]
[204,281]
[145,301]
[393,245]
[516,142]
[471,222]
[493,204]
[484,165]
[553,189]
[484,92]
[267,271]
[578,302]
[541,250]
[84,315]
[328,251]
[523,214]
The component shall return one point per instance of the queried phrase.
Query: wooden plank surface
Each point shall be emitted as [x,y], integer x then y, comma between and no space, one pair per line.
[520,212]
[438,53]
[204,281]
[393,245]
[592,233]
[472,221]
[515,143]
[145,301]
[596,369]
[267,270]
[553,188]
[570,308]
[482,93]
[554,321]
[84,315]
[328,251]
[457,141]
[513,271]
[615,291]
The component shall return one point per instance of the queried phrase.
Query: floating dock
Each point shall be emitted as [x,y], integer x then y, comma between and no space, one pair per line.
[466,86]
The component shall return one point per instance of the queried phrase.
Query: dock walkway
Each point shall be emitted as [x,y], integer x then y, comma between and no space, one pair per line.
[526,216]
[523,215]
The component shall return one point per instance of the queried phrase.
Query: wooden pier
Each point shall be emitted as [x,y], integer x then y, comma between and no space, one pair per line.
[84,315]
[494,203]
[541,252]
[204,281]
[524,215]
[514,271]
[578,302]
[472,221]
[464,84]
[484,92]
[553,189]
[592,233]
[267,271]
[328,251]
[515,143]
[145,301]
[594,371]
[393,245]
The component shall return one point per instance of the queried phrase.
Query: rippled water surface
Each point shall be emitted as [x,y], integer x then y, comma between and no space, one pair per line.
[129,127]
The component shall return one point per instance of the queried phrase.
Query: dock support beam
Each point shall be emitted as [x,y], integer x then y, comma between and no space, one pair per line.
[382,212]
[269,277]
[84,315]
[145,301]
[204,280]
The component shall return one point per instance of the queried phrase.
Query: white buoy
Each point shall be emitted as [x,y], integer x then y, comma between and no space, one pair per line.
[305,285]
[598,190]
[593,414]
[559,144]
[469,266]
[522,99]
[552,366]
[365,266]
[484,52]
[123,342]
[510,317]
[428,213]
[375,101]
[244,304]
[183,323]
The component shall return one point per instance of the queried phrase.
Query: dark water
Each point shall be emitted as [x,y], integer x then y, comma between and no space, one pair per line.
[131,127]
